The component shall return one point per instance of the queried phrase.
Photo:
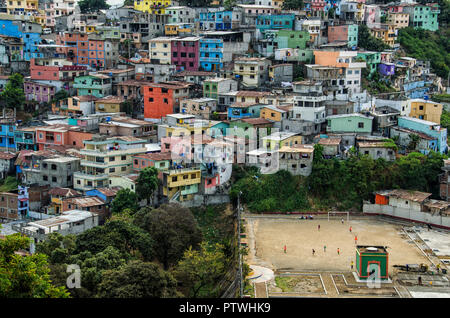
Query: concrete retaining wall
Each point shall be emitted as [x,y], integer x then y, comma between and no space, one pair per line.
[407,214]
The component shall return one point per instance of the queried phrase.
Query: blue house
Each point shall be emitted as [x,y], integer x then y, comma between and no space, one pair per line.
[211,54]
[7,142]
[275,22]
[416,89]
[244,110]
[30,33]
[429,128]
[219,21]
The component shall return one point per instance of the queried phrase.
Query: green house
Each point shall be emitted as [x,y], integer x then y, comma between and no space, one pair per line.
[372,60]
[97,85]
[372,259]
[349,123]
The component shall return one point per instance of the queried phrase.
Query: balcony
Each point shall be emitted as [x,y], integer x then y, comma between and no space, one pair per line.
[119,152]
[214,50]
[95,164]
[210,59]
[82,175]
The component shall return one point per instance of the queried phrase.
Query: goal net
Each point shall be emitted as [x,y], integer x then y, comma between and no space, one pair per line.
[339,216]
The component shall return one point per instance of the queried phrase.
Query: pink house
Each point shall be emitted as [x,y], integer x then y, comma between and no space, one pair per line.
[185,53]
[38,92]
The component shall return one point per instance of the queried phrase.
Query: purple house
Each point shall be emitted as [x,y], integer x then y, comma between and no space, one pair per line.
[185,53]
[386,69]
[38,92]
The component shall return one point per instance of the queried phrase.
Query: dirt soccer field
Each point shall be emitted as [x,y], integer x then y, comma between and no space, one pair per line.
[267,238]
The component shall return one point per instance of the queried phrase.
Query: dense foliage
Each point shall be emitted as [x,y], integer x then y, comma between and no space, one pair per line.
[293,4]
[173,228]
[149,253]
[345,184]
[369,42]
[263,193]
[13,95]
[428,46]
[92,6]
[25,276]
[124,199]
[147,183]
[339,184]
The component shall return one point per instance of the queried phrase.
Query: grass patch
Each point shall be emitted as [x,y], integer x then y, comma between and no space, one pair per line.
[286,284]
[9,184]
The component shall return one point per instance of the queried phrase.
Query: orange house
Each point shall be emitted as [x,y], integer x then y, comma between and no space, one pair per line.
[61,135]
[164,98]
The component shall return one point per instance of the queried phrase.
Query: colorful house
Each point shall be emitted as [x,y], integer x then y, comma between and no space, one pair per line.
[423,16]
[426,110]
[185,53]
[241,110]
[427,127]
[97,85]
[109,104]
[355,123]
[211,54]
[345,33]
[164,98]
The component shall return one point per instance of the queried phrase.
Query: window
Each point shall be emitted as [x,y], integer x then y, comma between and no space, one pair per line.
[360,125]
[112,169]
[123,158]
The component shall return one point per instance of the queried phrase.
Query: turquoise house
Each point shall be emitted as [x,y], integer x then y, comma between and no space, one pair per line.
[372,60]
[428,128]
[97,85]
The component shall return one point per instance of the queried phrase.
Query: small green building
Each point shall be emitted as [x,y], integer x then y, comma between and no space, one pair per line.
[372,60]
[372,258]
[349,123]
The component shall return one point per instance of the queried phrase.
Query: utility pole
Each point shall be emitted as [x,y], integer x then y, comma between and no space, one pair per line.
[241,285]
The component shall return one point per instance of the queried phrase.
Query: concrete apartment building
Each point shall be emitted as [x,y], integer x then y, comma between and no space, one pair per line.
[104,157]
[160,50]
[252,71]
[202,107]
[56,172]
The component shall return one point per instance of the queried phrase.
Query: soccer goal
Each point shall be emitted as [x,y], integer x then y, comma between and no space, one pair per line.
[338,215]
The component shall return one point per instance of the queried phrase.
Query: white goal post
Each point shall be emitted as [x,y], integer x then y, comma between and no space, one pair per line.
[335,213]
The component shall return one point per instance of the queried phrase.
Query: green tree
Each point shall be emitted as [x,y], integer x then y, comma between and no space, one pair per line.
[293,4]
[428,46]
[147,183]
[229,4]
[127,238]
[200,271]
[173,228]
[92,6]
[127,107]
[60,95]
[13,95]
[368,42]
[195,3]
[57,247]
[137,279]
[125,199]
[25,276]
[128,3]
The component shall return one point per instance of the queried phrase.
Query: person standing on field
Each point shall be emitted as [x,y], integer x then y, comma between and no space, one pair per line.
[314,252]
[350,229]
[285,249]
[338,251]
[318,227]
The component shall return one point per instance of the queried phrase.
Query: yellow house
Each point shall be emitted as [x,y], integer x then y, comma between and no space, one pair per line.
[280,139]
[398,19]
[178,29]
[386,33]
[160,49]
[426,110]
[109,104]
[152,6]
[273,113]
[181,184]
[21,5]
